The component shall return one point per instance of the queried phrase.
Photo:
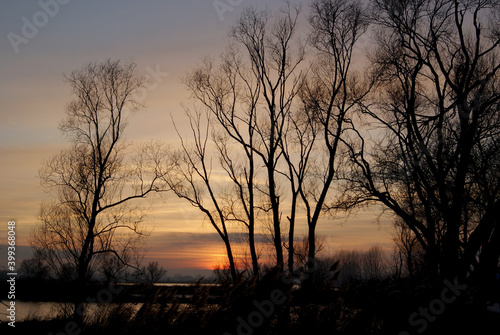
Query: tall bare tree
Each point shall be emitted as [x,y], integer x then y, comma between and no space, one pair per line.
[230,97]
[93,215]
[298,144]
[249,98]
[329,96]
[435,162]
[274,58]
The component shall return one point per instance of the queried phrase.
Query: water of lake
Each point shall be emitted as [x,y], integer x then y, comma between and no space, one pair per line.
[26,310]
[29,310]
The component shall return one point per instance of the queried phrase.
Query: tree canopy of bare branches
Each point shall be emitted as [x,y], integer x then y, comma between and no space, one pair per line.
[434,150]
[95,181]
[284,117]
[247,98]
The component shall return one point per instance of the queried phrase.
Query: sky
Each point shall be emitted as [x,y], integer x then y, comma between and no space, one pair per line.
[40,41]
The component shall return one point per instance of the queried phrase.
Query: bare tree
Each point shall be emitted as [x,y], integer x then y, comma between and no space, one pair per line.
[93,214]
[248,98]
[152,273]
[435,165]
[298,142]
[350,265]
[361,265]
[373,263]
[329,96]
[409,253]
[301,250]
[230,97]
[34,269]
[274,59]
[191,179]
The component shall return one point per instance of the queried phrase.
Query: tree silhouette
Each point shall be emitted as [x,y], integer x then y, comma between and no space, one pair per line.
[191,179]
[151,273]
[93,215]
[434,161]
[274,60]
[330,95]
[248,98]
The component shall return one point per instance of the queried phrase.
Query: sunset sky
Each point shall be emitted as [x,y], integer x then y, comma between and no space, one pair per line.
[167,38]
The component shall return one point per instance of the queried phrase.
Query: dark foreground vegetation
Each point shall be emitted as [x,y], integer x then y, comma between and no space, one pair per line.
[276,305]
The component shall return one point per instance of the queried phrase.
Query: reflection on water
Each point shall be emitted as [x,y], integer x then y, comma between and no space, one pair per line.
[31,310]
[27,310]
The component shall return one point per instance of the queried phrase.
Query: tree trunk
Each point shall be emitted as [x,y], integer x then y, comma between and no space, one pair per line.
[251,213]
[449,256]
[232,266]
[291,233]
[253,252]
[432,256]
[81,290]
[276,217]
[311,238]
